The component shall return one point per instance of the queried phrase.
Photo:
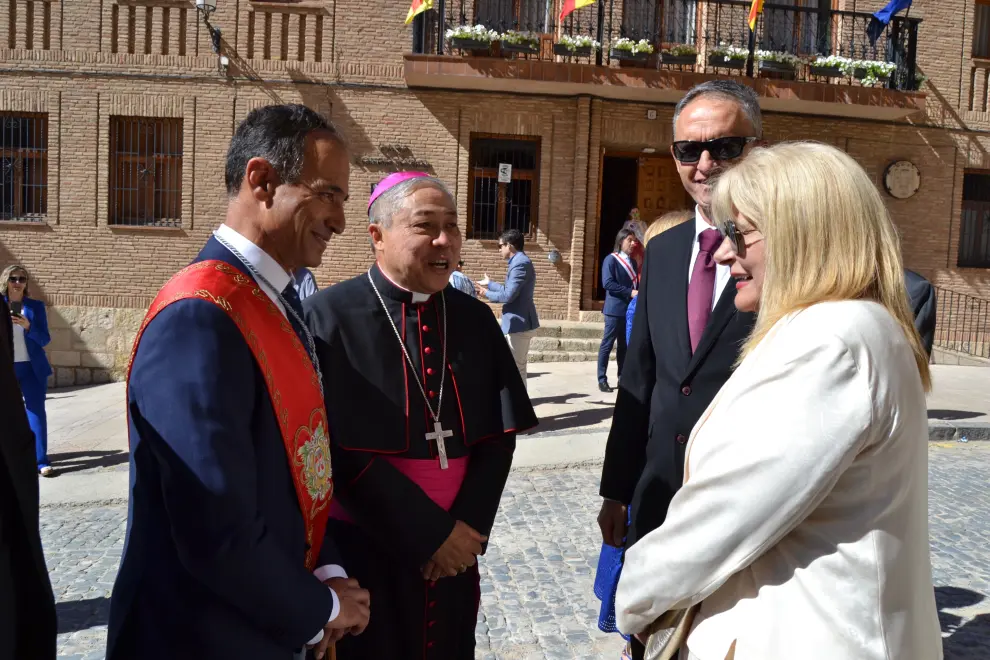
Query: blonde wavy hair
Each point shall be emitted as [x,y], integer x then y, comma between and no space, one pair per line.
[665,222]
[5,279]
[828,235]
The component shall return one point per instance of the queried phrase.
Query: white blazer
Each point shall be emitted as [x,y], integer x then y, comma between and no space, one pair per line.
[802,525]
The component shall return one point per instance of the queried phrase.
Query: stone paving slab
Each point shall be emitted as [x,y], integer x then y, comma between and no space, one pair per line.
[537,599]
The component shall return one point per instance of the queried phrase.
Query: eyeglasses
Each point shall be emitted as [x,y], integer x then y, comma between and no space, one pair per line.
[18,280]
[737,238]
[725,148]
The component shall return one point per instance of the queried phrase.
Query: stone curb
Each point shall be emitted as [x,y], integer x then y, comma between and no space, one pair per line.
[941,431]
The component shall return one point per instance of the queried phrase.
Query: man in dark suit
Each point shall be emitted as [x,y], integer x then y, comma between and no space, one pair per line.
[687,331]
[921,297]
[230,486]
[27,606]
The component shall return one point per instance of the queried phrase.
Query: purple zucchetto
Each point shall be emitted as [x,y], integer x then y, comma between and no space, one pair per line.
[391,181]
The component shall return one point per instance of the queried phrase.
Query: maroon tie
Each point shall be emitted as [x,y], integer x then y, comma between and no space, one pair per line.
[701,291]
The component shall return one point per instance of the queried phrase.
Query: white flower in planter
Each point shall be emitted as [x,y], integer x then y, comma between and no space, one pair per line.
[581,41]
[729,52]
[634,47]
[520,38]
[474,33]
[778,57]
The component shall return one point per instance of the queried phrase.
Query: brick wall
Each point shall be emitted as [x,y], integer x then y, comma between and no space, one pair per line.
[345,59]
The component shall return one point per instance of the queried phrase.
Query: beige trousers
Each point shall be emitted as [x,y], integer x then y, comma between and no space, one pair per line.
[519,344]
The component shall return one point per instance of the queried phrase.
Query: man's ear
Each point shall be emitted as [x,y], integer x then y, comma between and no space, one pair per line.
[375,232]
[262,179]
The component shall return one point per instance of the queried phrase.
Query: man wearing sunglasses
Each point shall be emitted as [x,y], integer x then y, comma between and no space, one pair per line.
[686,330]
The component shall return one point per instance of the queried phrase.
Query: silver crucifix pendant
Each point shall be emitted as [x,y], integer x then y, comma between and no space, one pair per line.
[439,434]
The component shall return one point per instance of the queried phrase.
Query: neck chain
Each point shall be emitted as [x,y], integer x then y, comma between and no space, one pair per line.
[288,308]
[402,344]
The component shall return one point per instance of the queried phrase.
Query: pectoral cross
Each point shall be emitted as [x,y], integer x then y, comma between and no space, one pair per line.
[439,434]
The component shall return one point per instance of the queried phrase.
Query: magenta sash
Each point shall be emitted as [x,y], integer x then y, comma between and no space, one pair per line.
[441,486]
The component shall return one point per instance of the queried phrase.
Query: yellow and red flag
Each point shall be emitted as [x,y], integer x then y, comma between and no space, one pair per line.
[418,7]
[571,5]
[755,10]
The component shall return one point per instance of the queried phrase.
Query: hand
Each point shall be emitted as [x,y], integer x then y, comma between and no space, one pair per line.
[484,281]
[355,611]
[635,293]
[22,321]
[612,521]
[460,550]
[432,572]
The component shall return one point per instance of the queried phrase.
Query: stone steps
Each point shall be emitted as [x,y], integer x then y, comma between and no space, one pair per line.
[567,341]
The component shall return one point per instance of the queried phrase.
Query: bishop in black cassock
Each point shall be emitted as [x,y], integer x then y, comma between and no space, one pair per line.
[395,502]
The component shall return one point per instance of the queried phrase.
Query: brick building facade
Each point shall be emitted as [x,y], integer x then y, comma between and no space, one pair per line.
[115,116]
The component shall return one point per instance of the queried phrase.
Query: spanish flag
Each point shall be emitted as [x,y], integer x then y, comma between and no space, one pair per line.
[571,5]
[418,7]
[755,10]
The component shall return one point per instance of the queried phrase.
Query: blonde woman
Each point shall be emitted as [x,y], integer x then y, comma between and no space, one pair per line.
[802,524]
[30,332]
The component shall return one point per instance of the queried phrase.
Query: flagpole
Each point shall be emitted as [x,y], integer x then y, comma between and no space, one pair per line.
[752,53]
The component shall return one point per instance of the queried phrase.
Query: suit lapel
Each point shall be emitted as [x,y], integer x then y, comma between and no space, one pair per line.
[677,279]
[724,310]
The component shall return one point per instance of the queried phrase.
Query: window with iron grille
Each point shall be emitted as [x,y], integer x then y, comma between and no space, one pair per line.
[981,29]
[23,166]
[145,171]
[974,238]
[495,206]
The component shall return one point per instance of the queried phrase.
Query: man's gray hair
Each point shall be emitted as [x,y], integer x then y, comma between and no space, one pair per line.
[729,90]
[393,200]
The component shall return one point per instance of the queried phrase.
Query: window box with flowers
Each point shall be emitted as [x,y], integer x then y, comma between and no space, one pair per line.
[871,72]
[474,38]
[634,52]
[774,61]
[832,66]
[580,46]
[520,42]
[681,55]
[728,57]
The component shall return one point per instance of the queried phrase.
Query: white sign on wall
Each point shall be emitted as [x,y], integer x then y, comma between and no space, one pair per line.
[504,173]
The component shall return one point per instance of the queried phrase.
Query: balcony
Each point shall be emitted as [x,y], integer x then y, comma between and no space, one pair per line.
[690,40]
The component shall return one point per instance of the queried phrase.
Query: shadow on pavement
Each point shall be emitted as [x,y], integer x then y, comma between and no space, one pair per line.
[963,639]
[82,614]
[951,415]
[575,420]
[77,461]
[556,400]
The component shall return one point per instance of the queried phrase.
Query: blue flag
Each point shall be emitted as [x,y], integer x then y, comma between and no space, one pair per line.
[880,19]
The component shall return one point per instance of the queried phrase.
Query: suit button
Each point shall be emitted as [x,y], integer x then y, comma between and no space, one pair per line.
[686,390]
[427,350]
[426,328]
[681,438]
[429,372]
[433,394]
[433,584]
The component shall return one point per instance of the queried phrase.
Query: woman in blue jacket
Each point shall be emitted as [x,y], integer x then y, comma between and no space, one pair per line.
[620,279]
[30,332]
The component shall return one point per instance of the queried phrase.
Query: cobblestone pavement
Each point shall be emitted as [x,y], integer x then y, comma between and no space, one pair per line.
[537,600]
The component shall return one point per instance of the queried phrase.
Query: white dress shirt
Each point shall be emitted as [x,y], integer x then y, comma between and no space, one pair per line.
[276,275]
[20,346]
[722,275]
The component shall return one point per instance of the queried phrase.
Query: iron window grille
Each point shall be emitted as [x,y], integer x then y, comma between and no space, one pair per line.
[23,166]
[493,206]
[145,172]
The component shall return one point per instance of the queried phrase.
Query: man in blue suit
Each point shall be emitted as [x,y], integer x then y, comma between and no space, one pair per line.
[225,555]
[519,318]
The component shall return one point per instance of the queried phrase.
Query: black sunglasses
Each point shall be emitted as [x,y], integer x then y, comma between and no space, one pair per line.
[18,280]
[726,148]
[731,232]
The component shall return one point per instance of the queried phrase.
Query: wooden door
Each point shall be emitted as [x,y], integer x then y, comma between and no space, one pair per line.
[659,188]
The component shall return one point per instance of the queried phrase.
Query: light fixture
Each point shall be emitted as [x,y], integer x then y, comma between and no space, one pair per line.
[205,8]
[554,257]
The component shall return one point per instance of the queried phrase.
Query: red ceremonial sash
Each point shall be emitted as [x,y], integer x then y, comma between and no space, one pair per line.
[624,261]
[289,374]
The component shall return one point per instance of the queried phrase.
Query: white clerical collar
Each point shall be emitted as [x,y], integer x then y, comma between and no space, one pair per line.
[700,224]
[416,296]
[257,257]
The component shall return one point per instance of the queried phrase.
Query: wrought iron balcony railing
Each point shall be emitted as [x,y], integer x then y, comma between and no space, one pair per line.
[704,25]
